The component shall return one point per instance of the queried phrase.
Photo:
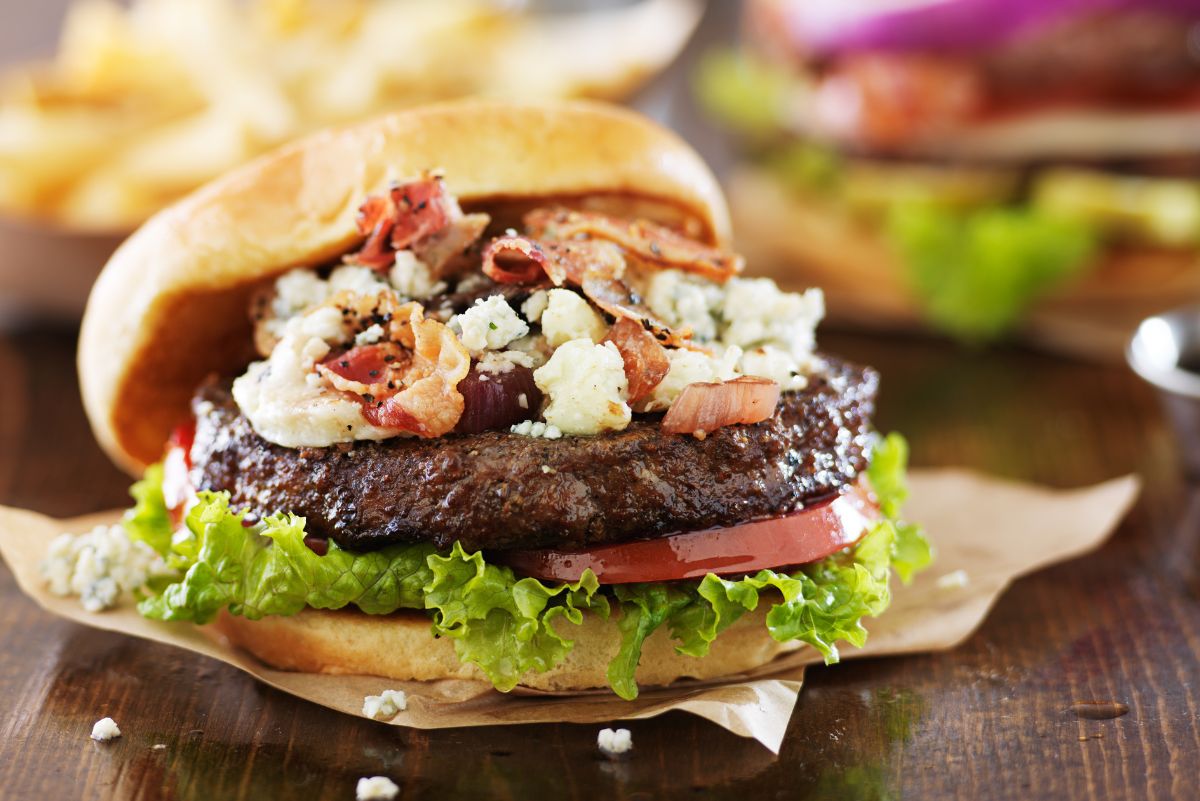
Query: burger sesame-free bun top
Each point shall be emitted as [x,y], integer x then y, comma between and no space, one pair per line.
[170,307]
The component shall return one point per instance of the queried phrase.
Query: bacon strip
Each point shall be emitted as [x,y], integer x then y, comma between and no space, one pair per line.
[376,218]
[516,259]
[445,253]
[615,297]
[704,407]
[422,208]
[648,241]
[410,383]
[420,215]
[646,362]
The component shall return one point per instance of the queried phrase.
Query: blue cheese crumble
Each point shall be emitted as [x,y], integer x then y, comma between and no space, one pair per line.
[386,705]
[586,385]
[488,325]
[99,566]
[376,788]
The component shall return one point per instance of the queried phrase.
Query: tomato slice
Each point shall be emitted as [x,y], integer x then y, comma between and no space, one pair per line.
[805,536]
[177,461]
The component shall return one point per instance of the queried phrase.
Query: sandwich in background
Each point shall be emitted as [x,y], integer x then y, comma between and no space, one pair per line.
[978,166]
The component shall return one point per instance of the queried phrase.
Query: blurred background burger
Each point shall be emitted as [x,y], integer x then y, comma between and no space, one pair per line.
[973,165]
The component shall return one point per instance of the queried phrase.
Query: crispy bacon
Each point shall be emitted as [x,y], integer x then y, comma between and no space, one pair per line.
[646,362]
[445,253]
[516,259]
[703,407]
[615,297]
[409,383]
[420,215]
[376,218]
[422,209]
[648,241]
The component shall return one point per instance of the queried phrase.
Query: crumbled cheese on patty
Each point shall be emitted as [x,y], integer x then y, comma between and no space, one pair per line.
[690,367]
[615,743]
[504,361]
[376,788]
[105,729]
[532,428]
[488,325]
[685,300]
[534,305]
[769,361]
[568,316]
[756,312]
[370,335]
[386,705]
[586,385]
[357,279]
[412,278]
[100,565]
[286,408]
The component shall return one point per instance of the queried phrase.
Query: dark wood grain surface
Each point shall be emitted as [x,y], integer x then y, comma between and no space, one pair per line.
[991,719]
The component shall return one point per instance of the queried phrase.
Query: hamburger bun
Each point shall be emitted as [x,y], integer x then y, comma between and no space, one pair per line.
[400,647]
[170,306]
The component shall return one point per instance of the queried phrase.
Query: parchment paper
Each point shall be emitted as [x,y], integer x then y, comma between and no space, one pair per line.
[987,533]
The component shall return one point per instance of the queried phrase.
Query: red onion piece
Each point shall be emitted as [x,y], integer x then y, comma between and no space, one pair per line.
[493,400]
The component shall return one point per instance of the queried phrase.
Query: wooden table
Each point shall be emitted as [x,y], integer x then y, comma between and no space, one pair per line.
[989,720]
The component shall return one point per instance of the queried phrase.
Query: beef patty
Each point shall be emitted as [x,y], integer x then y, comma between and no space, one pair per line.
[498,490]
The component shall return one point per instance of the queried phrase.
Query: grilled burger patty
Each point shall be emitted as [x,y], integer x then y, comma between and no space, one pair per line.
[498,490]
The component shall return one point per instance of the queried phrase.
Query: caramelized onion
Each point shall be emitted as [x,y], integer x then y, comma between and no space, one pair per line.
[492,400]
[703,407]
[646,362]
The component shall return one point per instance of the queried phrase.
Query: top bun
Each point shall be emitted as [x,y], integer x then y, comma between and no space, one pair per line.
[170,307]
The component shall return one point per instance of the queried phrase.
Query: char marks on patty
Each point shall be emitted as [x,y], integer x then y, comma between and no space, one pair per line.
[498,490]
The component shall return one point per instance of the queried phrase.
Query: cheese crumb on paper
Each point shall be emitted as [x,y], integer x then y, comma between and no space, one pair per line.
[953,579]
[386,705]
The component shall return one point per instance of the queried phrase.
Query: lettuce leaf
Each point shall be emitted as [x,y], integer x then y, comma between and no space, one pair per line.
[148,520]
[744,93]
[506,625]
[977,271]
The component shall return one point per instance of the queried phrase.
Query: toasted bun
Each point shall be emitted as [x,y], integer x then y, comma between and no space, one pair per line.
[170,306]
[400,647]
[809,243]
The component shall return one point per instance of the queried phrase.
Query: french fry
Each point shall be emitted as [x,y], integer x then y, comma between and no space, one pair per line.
[148,100]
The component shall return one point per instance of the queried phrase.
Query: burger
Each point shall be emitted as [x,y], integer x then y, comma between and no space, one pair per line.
[479,391]
[978,165]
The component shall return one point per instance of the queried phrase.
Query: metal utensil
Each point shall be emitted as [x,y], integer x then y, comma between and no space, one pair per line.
[1165,351]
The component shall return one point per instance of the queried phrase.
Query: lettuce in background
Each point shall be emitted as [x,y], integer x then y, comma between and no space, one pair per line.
[506,625]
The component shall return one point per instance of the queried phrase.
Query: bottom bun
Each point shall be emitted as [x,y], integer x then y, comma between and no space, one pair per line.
[400,646]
